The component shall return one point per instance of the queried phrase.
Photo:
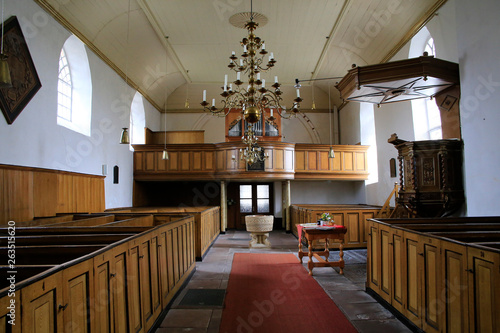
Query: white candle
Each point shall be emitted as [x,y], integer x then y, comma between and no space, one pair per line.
[241,62]
[237,76]
[232,53]
[230,87]
[263,83]
[213,101]
[244,49]
[271,112]
[225,80]
[284,109]
[264,46]
[204,95]
[258,76]
[272,55]
[276,79]
[298,92]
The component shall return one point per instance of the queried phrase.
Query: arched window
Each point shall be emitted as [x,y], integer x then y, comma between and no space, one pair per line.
[426,115]
[137,121]
[64,88]
[74,87]
[429,47]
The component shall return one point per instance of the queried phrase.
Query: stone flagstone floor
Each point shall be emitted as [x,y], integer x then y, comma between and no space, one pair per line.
[347,290]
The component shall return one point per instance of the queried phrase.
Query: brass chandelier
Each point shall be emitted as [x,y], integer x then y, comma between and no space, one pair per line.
[252,98]
[252,152]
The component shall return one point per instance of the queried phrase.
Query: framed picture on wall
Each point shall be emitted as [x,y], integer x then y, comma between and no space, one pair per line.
[25,81]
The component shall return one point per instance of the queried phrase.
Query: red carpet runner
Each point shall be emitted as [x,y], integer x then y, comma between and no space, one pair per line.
[274,293]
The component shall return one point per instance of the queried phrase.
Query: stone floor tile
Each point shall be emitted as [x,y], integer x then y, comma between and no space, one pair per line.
[204,284]
[215,320]
[377,326]
[187,318]
[181,330]
[347,291]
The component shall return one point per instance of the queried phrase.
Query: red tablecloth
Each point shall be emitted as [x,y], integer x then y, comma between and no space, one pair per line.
[300,227]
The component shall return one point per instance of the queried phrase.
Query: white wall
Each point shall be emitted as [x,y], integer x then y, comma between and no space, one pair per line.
[329,192]
[396,117]
[35,139]
[478,48]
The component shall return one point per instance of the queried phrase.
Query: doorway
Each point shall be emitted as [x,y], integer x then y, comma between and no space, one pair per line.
[248,199]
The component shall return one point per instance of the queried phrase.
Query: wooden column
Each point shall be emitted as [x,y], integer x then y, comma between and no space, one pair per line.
[223,206]
[286,199]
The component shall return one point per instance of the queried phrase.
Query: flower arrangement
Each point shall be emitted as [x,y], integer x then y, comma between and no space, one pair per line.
[325,217]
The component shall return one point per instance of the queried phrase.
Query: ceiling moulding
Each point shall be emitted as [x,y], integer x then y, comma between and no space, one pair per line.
[398,81]
[53,12]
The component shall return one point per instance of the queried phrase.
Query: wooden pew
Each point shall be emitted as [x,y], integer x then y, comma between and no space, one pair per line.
[92,278]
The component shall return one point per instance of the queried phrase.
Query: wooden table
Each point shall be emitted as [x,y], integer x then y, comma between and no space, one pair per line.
[312,234]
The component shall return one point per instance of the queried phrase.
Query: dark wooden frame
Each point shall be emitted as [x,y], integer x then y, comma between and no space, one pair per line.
[25,81]
[448,102]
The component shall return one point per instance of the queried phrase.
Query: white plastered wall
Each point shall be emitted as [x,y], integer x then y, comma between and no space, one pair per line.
[35,139]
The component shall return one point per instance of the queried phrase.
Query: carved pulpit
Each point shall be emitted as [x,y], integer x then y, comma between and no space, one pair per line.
[430,174]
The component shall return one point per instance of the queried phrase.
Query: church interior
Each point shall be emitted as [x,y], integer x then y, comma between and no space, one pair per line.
[150,147]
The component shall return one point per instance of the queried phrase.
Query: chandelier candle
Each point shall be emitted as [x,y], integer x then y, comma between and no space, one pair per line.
[255,99]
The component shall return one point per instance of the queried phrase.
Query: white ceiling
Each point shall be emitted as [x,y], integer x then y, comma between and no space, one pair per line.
[309,39]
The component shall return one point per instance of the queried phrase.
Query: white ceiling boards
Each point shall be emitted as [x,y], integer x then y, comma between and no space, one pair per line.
[309,39]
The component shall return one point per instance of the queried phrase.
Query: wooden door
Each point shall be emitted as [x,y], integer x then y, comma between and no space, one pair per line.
[385,263]
[163,268]
[134,287]
[103,306]
[412,280]
[484,290]
[120,277]
[373,257]
[42,305]
[454,287]
[432,305]
[398,299]
[249,199]
[77,288]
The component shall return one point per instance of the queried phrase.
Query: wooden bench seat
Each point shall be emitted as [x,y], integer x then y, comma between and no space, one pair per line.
[22,272]
[75,230]
[84,222]
[445,227]
[82,239]
[470,236]
[51,254]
